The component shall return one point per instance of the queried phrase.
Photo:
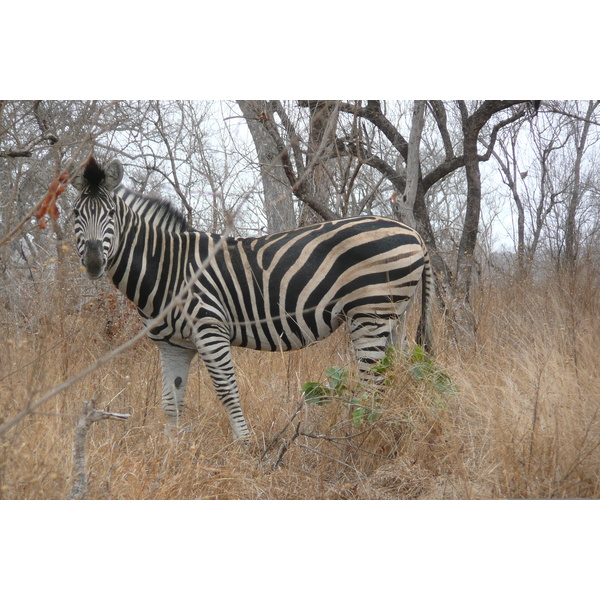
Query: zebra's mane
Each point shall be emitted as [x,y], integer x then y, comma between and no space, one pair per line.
[155,211]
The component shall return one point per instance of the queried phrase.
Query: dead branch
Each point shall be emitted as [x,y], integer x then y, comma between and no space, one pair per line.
[284,447]
[278,435]
[90,415]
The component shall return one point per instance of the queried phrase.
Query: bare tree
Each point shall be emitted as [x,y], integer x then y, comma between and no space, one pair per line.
[534,183]
[472,124]
[549,170]
[299,163]
[578,187]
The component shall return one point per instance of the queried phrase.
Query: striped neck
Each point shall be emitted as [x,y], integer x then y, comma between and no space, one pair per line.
[155,212]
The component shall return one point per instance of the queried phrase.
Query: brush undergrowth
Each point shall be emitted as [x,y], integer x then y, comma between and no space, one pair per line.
[512,414]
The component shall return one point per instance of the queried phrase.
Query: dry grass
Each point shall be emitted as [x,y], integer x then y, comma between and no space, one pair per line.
[523,422]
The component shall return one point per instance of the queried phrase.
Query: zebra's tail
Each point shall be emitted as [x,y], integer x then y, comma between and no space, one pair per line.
[425,328]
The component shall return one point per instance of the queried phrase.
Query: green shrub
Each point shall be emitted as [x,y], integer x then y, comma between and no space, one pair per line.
[366,405]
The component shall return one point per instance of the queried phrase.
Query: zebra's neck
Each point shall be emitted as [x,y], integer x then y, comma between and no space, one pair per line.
[153,211]
[145,226]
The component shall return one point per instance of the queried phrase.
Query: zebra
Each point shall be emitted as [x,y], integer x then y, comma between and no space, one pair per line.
[278,292]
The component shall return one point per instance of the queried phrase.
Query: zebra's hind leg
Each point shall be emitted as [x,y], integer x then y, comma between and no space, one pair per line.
[175,370]
[215,348]
[370,336]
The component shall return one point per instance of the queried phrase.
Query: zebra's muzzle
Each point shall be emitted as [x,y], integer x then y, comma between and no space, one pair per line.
[93,259]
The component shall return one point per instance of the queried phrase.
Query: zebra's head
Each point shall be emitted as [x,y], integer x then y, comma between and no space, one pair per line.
[94,210]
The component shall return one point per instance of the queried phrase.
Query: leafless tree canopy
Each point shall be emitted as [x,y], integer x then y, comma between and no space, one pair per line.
[504,183]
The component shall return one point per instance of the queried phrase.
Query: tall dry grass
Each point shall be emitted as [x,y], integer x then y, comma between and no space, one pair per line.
[521,420]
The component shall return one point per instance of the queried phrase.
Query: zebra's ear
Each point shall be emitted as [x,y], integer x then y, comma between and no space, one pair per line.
[113,174]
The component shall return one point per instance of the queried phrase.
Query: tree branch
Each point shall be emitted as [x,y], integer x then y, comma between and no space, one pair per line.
[27,150]
[439,113]
[366,158]
[298,182]
[497,127]
[373,113]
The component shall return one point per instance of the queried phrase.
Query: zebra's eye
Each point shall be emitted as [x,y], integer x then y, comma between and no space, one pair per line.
[75,212]
[111,212]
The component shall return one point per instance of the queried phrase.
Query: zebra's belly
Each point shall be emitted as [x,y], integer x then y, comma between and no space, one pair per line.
[284,334]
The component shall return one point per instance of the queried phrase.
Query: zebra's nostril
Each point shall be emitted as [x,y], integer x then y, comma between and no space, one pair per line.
[93,259]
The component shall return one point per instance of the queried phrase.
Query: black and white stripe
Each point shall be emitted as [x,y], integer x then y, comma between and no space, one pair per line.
[279,292]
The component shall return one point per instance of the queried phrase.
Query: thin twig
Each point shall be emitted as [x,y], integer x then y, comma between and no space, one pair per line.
[278,435]
[341,462]
[36,208]
[322,436]
[285,446]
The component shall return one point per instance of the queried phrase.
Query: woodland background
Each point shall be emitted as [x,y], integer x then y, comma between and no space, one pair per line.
[506,195]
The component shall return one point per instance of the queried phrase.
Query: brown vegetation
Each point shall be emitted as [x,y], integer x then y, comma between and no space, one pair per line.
[521,421]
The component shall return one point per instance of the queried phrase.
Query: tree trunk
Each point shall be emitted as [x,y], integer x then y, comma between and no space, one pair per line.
[321,134]
[278,200]
[413,164]
[468,239]
[571,241]
[300,180]
[472,126]
[461,307]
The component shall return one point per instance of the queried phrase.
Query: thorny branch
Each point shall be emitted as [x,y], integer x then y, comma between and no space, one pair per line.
[278,436]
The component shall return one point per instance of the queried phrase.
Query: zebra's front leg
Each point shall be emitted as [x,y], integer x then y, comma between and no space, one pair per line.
[215,348]
[175,370]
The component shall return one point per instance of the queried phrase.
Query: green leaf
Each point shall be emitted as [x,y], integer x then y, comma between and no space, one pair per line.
[373,415]
[315,393]
[387,362]
[443,384]
[418,354]
[338,378]
[358,415]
